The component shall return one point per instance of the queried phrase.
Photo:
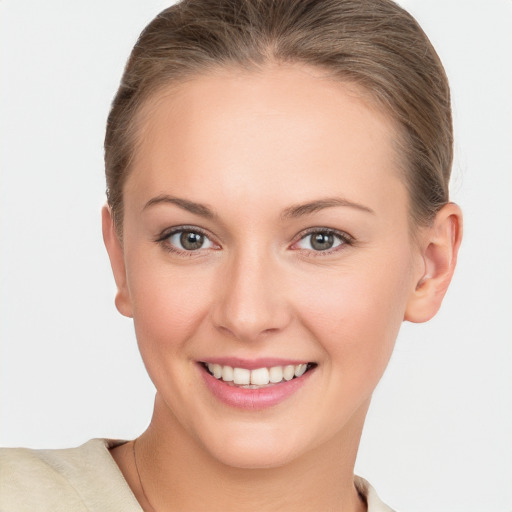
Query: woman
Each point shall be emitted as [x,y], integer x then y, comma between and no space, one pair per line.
[277,177]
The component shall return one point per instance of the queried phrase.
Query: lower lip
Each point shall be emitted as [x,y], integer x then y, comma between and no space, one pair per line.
[253,399]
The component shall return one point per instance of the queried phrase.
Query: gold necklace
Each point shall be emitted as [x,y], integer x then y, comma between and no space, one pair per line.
[140,479]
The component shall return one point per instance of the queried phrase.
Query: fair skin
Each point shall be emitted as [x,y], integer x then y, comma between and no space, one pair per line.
[289,185]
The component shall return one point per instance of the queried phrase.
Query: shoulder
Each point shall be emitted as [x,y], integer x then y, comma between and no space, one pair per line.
[372,499]
[85,478]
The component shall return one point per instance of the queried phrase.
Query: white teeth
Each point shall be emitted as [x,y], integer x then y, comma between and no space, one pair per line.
[227,374]
[217,371]
[289,372]
[257,377]
[260,377]
[276,374]
[241,376]
[300,369]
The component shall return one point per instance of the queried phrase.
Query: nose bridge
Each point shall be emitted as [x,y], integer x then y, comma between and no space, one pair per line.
[250,300]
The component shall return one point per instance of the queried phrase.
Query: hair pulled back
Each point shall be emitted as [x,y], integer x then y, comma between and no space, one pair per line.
[373,43]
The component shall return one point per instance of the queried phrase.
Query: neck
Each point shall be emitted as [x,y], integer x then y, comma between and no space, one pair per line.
[177,473]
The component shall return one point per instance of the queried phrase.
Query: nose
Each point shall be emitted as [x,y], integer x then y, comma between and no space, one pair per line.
[251,300]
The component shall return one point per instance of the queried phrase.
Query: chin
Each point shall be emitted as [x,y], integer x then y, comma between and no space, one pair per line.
[255,458]
[253,451]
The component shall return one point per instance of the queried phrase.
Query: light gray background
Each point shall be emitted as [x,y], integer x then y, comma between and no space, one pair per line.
[439,434]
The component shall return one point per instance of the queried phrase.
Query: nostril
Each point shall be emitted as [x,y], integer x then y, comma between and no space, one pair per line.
[252,327]
[250,301]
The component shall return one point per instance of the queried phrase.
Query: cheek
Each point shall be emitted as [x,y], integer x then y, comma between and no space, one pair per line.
[356,314]
[169,305]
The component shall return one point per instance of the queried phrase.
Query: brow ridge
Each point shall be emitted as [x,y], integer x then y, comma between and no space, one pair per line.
[308,208]
[191,206]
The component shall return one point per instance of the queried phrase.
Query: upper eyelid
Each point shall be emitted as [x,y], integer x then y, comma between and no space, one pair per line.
[309,231]
[166,233]
[163,240]
[347,240]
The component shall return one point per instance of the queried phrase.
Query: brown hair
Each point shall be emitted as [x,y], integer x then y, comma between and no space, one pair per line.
[373,43]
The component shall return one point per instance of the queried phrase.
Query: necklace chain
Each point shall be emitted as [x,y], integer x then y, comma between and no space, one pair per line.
[142,486]
[138,474]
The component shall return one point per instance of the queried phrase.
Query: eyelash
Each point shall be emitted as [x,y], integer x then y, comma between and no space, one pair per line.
[163,240]
[343,238]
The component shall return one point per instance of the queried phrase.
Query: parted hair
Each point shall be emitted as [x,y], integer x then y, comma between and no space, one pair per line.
[373,43]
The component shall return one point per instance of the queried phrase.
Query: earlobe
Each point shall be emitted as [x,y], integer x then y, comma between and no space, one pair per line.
[440,246]
[116,255]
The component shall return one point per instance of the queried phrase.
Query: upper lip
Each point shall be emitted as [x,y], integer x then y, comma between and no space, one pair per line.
[253,364]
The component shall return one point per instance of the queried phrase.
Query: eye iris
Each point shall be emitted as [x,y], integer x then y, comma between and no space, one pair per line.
[322,241]
[191,241]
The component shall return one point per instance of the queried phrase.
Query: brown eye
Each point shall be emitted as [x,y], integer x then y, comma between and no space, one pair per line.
[191,241]
[188,240]
[322,241]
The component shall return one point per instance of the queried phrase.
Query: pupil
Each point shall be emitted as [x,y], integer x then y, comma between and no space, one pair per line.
[191,241]
[322,241]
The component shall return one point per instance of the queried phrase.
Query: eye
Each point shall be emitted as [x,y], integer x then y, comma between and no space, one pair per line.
[186,240]
[322,240]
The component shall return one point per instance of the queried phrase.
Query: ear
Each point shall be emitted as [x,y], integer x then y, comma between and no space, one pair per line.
[116,255]
[440,244]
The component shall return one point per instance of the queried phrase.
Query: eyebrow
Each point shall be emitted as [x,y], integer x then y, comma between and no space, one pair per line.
[311,207]
[293,211]
[196,208]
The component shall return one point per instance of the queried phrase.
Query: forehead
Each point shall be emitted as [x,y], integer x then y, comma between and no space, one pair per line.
[232,130]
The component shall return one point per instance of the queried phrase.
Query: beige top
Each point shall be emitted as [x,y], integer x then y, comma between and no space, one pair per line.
[83,479]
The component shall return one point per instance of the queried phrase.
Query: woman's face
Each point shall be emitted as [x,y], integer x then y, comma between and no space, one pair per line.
[266,226]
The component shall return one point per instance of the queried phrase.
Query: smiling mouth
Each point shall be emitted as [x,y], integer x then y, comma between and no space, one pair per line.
[259,377]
